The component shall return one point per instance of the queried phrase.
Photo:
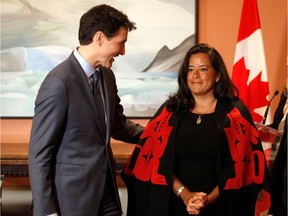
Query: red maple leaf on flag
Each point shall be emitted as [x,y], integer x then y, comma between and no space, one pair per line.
[252,99]
[249,70]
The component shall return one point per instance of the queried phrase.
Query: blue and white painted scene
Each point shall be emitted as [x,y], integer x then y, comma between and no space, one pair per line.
[36,35]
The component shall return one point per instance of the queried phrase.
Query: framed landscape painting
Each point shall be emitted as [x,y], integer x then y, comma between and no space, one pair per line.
[36,35]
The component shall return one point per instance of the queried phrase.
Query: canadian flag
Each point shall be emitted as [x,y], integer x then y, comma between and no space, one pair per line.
[249,72]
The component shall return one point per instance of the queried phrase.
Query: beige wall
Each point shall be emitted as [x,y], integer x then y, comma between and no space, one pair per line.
[218,25]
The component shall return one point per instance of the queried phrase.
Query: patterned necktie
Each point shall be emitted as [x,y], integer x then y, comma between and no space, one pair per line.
[98,95]
[95,80]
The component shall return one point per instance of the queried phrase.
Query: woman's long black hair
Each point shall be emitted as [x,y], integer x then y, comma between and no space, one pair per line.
[224,89]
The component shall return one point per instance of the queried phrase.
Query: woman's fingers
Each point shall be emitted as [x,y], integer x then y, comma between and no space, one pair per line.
[193,210]
[199,200]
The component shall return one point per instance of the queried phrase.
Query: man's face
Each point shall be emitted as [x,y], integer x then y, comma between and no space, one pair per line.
[113,47]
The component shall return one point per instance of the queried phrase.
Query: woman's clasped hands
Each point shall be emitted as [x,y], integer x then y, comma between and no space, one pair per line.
[195,201]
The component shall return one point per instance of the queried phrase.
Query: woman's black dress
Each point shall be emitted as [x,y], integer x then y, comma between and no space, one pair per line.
[196,160]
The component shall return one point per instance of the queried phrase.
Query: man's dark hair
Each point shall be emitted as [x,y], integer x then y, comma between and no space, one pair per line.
[102,18]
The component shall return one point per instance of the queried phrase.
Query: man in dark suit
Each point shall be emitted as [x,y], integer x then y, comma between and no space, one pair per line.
[71,164]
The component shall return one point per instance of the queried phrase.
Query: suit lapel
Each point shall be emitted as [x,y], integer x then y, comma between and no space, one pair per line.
[105,85]
[100,103]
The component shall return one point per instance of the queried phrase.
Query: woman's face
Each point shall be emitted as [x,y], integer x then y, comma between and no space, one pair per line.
[201,77]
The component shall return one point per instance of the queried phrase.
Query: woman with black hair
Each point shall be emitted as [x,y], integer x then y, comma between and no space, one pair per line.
[201,153]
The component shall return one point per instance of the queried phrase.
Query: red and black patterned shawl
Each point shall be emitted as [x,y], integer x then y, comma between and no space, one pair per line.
[241,166]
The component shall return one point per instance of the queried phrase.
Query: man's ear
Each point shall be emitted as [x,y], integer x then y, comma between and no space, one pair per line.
[98,38]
